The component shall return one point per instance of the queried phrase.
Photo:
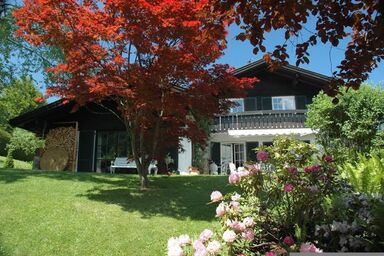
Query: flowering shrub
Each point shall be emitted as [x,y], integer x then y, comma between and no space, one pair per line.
[282,207]
[351,223]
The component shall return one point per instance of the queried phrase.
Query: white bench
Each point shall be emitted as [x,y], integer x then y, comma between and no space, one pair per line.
[124,162]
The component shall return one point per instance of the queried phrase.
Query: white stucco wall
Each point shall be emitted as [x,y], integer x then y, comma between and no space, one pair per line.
[185,157]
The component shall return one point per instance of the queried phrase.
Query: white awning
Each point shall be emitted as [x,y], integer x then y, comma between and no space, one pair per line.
[264,132]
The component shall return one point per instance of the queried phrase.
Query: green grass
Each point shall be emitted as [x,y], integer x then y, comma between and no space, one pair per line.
[18,164]
[48,213]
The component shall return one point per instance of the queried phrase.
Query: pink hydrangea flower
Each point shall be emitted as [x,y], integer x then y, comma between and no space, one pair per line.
[236,225]
[288,187]
[270,254]
[229,236]
[234,205]
[213,247]
[216,196]
[249,222]
[205,235]
[328,158]
[248,234]
[234,178]
[312,168]
[288,240]
[254,168]
[262,155]
[243,173]
[199,248]
[221,210]
[309,247]
[292,169]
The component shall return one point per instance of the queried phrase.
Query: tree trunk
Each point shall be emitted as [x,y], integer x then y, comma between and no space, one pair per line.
[144,182]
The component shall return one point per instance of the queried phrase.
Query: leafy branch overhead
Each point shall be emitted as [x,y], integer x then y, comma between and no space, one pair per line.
[358,22]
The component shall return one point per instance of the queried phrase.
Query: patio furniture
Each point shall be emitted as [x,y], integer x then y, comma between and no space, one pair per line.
[126,163]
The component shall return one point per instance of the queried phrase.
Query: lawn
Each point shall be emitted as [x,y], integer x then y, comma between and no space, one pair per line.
[57,213]
[18,164]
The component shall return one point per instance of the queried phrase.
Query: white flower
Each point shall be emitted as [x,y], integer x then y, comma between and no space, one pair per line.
[200,249]
[205,235]
[249,222]
[173,241]
[235,197]
[184,240]
[229,236]
[213,247]
[174,248]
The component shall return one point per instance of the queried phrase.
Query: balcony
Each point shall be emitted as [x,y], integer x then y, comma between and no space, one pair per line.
[266,119]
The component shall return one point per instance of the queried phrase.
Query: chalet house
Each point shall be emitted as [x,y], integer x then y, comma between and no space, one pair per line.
[93,137]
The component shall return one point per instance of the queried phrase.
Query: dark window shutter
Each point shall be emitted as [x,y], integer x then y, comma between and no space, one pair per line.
[215,152]
[86,151]
[266,103]
[250,104]
[301,102]
[259,105]
[251,153]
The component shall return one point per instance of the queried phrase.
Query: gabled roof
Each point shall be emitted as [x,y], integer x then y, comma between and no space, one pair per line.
[43,110]
[262,65]
[60,106]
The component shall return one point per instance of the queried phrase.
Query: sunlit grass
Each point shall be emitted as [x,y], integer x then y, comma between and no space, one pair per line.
[48,213]
[18,164]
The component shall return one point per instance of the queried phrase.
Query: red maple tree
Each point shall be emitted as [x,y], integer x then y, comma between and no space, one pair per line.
[152,58]
[360,22]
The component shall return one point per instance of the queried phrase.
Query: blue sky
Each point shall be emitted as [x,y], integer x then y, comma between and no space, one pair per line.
[323,58]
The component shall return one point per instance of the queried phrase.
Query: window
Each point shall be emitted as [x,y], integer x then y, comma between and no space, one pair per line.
[239,107]
[110,144]
[283,103]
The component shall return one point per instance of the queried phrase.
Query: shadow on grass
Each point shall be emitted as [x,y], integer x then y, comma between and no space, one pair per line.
[179,197]
[16,175]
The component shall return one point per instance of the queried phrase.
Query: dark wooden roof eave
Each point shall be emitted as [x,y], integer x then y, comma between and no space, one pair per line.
[27,117]
[261,65]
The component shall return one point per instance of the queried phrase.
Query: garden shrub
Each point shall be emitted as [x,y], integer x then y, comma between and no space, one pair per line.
[366,173]
[4,140]
[292,199]
[280,198]
[24,144]
[353,223]
[9,163]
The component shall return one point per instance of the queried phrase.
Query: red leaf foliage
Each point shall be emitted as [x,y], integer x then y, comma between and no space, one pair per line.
[153,58]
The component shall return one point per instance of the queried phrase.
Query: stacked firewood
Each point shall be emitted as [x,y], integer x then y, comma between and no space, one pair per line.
[62,138]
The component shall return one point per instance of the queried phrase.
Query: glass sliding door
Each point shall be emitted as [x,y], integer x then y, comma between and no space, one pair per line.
[110,144]
[238,154]
[231,153]
[226,157]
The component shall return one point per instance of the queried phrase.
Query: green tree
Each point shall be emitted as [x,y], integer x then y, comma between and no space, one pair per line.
[17,98]
[352,125]
[19,58]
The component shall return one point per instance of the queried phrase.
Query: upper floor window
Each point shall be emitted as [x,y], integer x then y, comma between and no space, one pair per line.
[283,103]
[239,107]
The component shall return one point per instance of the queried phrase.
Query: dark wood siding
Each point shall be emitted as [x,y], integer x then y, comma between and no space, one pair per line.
[86,154]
